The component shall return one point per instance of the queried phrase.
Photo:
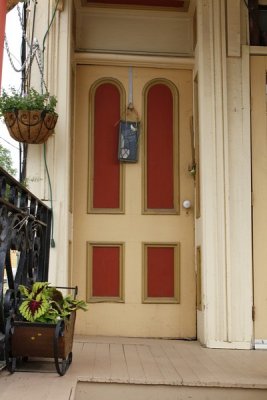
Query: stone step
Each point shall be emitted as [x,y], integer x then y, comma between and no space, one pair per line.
[110,391]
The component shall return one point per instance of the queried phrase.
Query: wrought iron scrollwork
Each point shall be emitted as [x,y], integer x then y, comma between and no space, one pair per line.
[25,224]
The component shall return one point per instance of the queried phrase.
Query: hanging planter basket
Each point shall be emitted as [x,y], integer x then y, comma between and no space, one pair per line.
[11,4]
[30,118]
[30,126]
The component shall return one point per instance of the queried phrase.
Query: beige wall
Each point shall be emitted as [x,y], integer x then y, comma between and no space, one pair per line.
[224,229]
[116,30]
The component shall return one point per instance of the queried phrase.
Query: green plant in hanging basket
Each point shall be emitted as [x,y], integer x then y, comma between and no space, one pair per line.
[31,101]
[30,118]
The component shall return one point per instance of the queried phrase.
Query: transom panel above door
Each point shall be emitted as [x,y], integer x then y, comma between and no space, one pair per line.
[133,241]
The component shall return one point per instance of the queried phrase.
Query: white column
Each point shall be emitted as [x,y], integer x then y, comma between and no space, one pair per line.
[60,48]
[225,227]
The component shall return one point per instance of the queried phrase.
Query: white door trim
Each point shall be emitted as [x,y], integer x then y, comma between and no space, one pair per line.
[133,60]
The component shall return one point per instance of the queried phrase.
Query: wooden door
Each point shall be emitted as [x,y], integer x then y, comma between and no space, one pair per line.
[133,239]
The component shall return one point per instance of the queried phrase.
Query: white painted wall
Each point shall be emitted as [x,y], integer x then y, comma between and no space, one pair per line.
[224,230]
[58,78]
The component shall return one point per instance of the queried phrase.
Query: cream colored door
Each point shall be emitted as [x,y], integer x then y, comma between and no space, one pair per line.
[259,188]
[133,243]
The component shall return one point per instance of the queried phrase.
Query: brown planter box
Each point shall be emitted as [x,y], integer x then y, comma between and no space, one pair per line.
[29,339]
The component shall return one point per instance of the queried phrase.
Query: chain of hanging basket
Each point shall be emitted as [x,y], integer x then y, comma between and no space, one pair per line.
[30,57]
[35,52]
[35,48]
[29,126]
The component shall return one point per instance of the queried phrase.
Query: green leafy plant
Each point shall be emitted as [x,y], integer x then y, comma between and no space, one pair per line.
[13,101]
[43,303]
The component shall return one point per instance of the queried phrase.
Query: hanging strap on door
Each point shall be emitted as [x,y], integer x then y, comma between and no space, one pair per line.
[130,87]
[129,128]
[130,108]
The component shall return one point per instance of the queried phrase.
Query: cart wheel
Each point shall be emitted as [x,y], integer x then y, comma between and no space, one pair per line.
[10,361]
[70,358]
[63,364]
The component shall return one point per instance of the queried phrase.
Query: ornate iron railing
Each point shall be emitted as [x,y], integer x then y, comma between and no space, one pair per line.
[25,224]
[257,22]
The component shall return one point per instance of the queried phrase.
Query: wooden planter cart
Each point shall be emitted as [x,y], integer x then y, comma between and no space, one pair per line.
[24,340]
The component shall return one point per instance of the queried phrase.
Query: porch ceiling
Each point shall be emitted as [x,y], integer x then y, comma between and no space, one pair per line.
[178,5]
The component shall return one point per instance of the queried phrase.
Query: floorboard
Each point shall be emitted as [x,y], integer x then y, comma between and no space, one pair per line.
[143,362]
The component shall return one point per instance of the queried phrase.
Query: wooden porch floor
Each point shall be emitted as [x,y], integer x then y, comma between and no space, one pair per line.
[145,362]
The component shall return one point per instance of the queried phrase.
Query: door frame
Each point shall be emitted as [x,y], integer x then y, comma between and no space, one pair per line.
[142,62]
[134,61]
